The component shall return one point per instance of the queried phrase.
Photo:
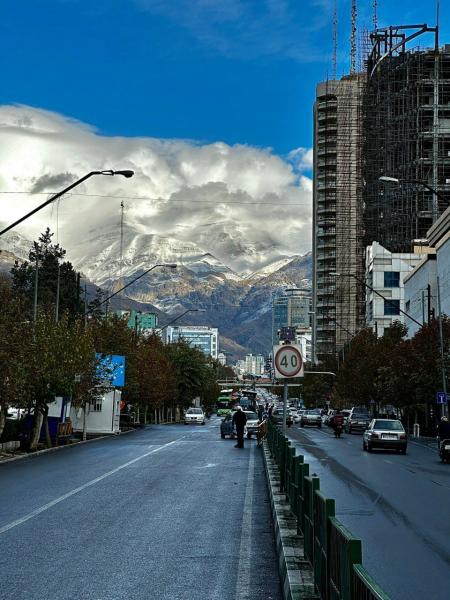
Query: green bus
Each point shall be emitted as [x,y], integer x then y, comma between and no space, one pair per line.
[224,403]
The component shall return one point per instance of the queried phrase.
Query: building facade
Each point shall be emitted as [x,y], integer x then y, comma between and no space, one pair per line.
[338,235]
[385,274]
[407,136]
[204,338]
[421,293]
[292,309]
[144,322]
[254,364]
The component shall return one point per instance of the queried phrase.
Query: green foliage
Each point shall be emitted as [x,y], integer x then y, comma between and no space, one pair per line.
[49,257]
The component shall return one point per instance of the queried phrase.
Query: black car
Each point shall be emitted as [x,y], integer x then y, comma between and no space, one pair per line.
[358,420]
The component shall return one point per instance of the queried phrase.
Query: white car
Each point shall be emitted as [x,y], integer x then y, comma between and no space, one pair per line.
[194,416]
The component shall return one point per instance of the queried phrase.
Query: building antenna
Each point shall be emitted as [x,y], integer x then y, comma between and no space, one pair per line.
[353,40]
[438,18]
[375,15]
[335,24]
[122,206]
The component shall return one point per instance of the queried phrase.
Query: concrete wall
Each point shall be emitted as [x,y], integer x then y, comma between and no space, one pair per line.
[416,292]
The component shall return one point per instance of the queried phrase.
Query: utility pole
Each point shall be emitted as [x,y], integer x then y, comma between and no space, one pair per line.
[58,283]
[441,348]
[36,283]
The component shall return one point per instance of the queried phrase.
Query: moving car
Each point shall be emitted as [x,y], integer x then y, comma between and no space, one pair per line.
[358,420]
[193,416]
[251,427]
[311,417]
[385,433]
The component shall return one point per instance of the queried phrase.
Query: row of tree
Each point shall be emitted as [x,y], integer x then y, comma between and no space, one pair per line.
[391,370]
[52,352]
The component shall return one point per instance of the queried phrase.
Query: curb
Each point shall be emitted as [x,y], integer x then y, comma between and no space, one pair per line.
[47,450]
[297,577]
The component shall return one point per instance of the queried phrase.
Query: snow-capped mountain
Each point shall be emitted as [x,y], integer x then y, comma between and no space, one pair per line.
[239,304]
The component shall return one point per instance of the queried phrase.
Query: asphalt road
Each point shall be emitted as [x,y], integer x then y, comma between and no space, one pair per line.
[397,505]
[167,513]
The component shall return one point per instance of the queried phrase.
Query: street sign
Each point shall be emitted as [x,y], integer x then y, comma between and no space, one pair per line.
[288,361]
[441,398]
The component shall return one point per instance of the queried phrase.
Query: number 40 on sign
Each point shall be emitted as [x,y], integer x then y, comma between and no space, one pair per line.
[288,361]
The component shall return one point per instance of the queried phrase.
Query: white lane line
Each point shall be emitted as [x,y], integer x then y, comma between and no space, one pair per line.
[243,583]
[389,462]
[45,507]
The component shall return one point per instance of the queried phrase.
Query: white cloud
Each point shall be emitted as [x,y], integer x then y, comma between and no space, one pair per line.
[245,205]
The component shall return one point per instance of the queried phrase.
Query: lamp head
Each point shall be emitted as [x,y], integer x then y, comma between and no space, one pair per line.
[387,179]
[170,265]
[125,173]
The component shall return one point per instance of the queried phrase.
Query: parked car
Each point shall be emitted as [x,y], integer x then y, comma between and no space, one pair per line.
[226,427]
[358,420]
[311,417]
[193,416]
[385,433]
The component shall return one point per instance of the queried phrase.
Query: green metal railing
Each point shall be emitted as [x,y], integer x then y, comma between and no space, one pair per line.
[335,555]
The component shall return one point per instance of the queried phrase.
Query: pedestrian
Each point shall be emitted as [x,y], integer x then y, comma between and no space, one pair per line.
[239,421]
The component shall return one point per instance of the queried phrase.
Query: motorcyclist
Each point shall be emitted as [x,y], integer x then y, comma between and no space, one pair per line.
[443,430]
[338,419]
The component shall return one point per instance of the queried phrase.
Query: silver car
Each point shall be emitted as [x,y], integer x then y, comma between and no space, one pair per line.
[311,417]
[385,433]
[194,415]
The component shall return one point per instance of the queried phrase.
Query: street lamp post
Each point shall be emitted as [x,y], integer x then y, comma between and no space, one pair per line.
[125,173]
[437,195]
[377,293]
[168,265]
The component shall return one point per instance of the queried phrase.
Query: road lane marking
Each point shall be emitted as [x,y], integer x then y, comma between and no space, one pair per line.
[45,507]
[243,583]
[389,462]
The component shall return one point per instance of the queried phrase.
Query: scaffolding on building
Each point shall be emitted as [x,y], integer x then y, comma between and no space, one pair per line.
[406,135]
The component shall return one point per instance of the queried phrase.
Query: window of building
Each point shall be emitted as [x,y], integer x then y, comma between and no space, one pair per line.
[392,279]
[408,306]
[96,406]
[391,307]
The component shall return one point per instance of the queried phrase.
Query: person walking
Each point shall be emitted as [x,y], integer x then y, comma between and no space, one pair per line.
[239,421]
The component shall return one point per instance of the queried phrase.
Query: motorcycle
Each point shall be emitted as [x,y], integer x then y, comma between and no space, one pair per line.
[337,430]
[444,450]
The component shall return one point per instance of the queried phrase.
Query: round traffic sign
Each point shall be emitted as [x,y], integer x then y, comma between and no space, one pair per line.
[288,361]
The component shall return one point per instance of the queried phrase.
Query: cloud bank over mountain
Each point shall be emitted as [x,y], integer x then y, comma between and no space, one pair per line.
[245,205]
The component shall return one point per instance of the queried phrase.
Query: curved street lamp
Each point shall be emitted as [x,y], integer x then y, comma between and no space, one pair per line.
[168,265]
[124,173]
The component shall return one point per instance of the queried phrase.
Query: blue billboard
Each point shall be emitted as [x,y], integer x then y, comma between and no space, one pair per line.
[111,368]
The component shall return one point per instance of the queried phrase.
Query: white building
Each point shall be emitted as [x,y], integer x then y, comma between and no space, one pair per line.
[221,357]
[254,364]
[421,292]
[102,416]
[303,337]
[204,338]
[385,272]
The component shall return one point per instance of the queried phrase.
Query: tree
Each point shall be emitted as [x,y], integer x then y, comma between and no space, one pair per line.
[48,257]
[15,334]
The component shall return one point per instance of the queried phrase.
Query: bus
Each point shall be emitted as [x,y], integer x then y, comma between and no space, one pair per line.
[225,402]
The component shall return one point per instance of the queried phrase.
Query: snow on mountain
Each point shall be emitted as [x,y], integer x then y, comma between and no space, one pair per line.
[98,256]
[270,268]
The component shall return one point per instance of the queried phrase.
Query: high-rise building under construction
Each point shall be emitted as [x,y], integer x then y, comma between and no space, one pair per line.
[407,136]
[390,121]
[338,302]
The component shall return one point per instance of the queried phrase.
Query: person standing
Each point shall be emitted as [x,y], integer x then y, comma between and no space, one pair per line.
[239,421]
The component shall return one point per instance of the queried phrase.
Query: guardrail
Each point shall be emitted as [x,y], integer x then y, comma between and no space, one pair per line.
[335,555]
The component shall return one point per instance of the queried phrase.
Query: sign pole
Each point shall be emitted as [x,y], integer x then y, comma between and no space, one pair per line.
[285,401]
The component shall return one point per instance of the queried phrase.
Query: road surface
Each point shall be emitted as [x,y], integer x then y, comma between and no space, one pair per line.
[397,505]
[167,513]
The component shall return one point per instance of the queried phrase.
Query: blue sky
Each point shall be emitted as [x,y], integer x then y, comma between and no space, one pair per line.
[239,71]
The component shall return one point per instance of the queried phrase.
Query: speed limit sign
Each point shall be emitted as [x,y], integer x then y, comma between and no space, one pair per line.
[288,361]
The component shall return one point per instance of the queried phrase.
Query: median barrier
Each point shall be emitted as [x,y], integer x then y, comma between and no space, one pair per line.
[329,554]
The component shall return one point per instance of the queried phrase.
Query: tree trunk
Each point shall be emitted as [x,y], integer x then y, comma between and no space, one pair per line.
[138,414]
[2,418]
[145,415]
[48,439]
[36,433]
[84,422]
